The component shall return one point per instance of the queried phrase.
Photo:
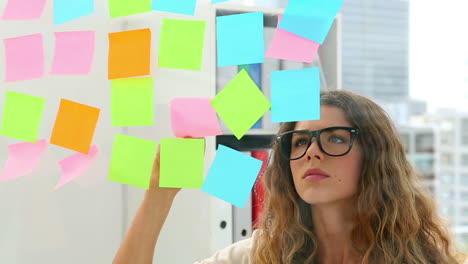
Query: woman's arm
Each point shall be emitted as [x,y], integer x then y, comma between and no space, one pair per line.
[140,241]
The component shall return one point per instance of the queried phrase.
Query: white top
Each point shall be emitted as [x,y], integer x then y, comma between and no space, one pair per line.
[237,253]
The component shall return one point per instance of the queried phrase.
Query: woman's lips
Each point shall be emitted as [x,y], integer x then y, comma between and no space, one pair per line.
[315,177]
[315,174]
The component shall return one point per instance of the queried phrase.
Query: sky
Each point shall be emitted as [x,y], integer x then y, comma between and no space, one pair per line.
[439,53]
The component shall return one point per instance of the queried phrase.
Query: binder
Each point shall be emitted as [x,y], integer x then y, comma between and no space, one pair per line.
[255,72]
[258,194]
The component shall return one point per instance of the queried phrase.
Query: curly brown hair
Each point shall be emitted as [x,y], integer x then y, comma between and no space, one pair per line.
[396,218]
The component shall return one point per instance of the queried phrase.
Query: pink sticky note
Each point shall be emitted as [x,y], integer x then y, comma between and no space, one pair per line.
[22,159]
[24,57]
[288,46]
[194,117]
[75,165]
[74,52]
[23,9]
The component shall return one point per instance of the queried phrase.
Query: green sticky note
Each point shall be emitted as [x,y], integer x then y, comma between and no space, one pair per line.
[181,44]
[22,116]
[132,160]
[132,102]
[182,162]
[240,104]
[119,8]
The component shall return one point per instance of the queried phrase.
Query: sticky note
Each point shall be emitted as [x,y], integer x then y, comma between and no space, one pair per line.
[24,58]
[120,8]
[310,19]
[132,161]
[186,7]
[129,53]
[74,52]
[240,104]
[295,95]
[74,126]
[75,165]
[132,102]
[232,176]
[23,158]
[67,10]
[194,117]
[289,46]
[182,162]
[21,116]
[23,9]
[181,44]
[240,39]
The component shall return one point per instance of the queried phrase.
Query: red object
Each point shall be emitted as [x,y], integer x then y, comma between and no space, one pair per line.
[258,193]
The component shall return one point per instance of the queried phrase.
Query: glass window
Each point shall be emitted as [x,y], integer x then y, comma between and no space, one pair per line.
[464,131]
[462,241]
[425,142]
[464,196]
[447,125]
[464,123]
[424,163]
[464,179]
[447,195]
[447,177]
[448,211]
[446,159]
[428,176]
[464,159]
[446,138]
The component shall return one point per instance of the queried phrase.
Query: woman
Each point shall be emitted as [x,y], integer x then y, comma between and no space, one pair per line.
[338,190]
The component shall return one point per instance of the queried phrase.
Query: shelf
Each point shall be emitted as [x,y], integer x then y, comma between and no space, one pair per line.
[247,142]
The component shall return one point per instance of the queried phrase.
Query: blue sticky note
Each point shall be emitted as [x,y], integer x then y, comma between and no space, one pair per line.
[67,10]
[240,39]
[186,7]
[232,176]
[295,95]
[311,19]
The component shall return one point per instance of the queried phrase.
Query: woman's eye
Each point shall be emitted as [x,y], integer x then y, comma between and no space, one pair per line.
[300,142]
[335,139]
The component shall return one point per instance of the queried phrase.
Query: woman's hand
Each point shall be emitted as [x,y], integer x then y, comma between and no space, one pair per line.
[154,184]
[140,241]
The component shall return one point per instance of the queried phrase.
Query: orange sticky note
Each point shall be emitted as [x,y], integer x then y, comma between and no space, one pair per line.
[74,126]
[129,53]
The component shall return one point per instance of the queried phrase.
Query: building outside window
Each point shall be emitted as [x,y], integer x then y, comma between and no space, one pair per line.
[425,142]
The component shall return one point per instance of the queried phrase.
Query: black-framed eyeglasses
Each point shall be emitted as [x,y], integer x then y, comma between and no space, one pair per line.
[333,141]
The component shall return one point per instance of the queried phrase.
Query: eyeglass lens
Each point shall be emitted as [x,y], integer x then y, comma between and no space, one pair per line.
[334,142]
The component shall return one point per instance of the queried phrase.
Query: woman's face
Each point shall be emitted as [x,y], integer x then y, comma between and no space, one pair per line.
[343,172]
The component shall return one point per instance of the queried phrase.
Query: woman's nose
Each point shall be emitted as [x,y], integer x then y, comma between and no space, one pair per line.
[314,150]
